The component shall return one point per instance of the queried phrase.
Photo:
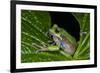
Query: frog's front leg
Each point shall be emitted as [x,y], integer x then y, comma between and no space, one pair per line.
[50,48]
[42,50]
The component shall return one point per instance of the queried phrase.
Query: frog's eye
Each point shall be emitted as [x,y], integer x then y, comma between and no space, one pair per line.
[57,30]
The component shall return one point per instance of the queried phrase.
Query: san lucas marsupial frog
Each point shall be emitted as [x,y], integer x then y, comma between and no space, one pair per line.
[62,39]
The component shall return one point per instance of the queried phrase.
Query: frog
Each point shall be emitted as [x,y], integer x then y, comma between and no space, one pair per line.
[61,39]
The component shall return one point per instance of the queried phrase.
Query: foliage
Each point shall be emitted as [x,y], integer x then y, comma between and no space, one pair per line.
[83,49]
[34,28]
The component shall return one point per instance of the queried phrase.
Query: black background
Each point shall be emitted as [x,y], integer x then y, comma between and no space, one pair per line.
[67,21]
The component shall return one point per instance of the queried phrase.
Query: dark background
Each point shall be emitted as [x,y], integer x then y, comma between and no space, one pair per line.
[67,21]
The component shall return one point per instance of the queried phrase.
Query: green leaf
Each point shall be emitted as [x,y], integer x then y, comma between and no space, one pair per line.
[82,51]
[84,21]
[34,28]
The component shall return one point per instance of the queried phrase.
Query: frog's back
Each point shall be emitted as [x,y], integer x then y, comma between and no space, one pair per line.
[67,46]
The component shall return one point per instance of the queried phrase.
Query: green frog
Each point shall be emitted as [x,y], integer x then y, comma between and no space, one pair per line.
[62,40]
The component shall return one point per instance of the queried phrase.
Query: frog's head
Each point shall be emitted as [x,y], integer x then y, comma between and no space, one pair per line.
[55,31]
[61,34]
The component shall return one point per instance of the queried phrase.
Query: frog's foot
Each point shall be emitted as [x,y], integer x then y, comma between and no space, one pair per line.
[52,42]
[42,50]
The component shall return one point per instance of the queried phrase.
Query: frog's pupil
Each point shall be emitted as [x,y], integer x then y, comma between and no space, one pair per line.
[57,31]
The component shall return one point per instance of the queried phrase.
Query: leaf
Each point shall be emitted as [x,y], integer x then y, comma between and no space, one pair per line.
[82,51]
[34,28]
[84,21]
